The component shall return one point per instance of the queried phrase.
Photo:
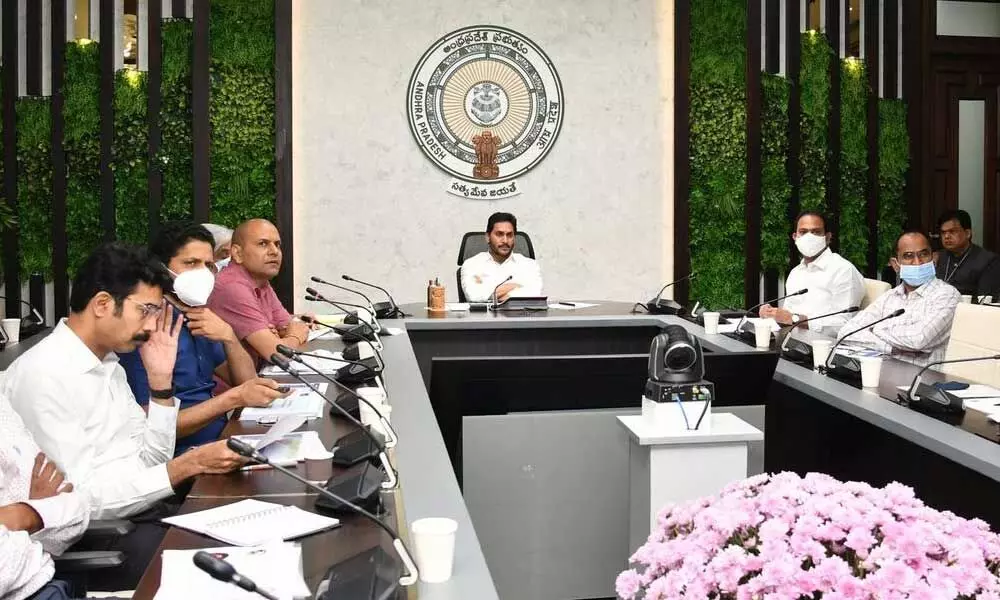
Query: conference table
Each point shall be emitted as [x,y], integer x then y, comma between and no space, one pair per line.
[507,424]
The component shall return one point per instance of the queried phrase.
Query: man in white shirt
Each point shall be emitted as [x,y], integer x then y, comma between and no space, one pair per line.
[833,282]
[75,400]
[484,272]
[920,335]
[40,516]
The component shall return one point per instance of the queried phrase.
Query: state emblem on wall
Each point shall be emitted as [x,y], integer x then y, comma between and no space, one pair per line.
[485,105]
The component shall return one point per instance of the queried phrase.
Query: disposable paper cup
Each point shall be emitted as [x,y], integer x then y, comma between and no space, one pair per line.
[762,333]
[12,327]
[434,546]
[966,298]
[871,369]
[821,350]
[711,322]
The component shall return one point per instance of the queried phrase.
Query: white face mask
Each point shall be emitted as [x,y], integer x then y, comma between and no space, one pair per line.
[194,287]
[810,245]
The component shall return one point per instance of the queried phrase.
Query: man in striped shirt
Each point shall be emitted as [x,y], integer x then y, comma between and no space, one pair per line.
[920,335]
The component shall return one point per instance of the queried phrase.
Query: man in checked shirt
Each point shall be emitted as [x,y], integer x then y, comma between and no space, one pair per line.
[920,335]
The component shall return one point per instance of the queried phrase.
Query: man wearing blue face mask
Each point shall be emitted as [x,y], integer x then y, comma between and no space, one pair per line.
[207,347]
[919,335]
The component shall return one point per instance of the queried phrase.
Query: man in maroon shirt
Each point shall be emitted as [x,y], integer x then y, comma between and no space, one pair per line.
[243,295]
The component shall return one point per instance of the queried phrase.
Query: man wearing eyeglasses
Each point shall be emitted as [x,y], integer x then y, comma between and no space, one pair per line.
[73,396]
[920,335]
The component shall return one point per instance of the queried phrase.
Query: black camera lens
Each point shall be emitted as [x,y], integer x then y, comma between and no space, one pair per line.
[680,356]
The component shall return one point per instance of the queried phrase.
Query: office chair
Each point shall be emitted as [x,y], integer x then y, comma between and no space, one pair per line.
[75,566]
[474,242]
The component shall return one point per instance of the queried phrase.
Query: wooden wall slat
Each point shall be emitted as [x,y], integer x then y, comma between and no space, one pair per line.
[33,47]
[833,30]
[872,39]
[60,252]
[200,124]
[793,64]
[285,284]
[682,147]
[107,111]
[754,105]
[11,247]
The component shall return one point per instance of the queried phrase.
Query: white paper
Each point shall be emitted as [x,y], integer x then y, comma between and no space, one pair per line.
[301,401]
[322,333]
[292,448]
[276,568]
[457,306]
[729,327]
[285,424]
[990,406]
[570,305]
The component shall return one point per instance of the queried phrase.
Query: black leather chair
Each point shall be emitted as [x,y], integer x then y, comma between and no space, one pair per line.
[77,566]
[474,242]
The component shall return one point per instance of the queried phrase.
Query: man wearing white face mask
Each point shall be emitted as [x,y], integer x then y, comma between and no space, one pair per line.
[920,335]
[833,282]
[207,347]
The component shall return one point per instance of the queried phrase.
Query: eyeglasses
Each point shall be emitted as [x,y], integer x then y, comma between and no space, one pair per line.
[922,255]
[147,310]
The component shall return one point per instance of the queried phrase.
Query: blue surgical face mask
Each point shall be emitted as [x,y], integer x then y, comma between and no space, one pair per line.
[917,275]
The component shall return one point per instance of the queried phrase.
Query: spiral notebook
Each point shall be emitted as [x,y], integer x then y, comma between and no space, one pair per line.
[252,522]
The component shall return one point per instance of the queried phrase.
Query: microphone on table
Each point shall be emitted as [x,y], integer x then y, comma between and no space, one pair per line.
[295,355]
[380,450]
[355,371]
[371,305]
[799,351]
[666,306]
[743,320]
[384,310]
[223,571]
[354,328]
[409,575]
[851,367]
[921,395]
[352,352]
[494,294]
[353,316]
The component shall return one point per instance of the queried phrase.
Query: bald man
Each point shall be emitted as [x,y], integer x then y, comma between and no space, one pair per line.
[243,295]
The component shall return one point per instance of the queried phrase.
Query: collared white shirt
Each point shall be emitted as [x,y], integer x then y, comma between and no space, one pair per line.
[25,559]
[83,415]
[833,283]
[920,335]
[481,275]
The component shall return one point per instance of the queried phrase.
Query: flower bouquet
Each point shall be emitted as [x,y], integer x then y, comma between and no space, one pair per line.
[784,537]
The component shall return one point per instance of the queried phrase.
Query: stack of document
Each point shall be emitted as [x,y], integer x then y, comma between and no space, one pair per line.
[276,568]
[284,446]
[325,362]
[302,401]
[253,522]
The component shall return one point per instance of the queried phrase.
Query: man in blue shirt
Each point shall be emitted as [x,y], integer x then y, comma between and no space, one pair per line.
[207,346]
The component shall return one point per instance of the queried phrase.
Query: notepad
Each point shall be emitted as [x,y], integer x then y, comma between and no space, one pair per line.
[253,522]
[276,568]
[301,401]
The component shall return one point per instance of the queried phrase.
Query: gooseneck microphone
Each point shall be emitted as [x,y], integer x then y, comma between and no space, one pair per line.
[354,327]
[293,354]
[353,316]
[371,306]
[391,480]
[494,294]
[930,394]
[346,353]
[791,326]
[756,306]
[892,315]
[223,571]
[666,306]
[410,573]
[384,310]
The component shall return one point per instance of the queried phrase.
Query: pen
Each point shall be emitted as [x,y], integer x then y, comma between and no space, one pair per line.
[571,304]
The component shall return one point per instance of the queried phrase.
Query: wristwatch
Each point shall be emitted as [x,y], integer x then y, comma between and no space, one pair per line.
[795,319]
[166,394]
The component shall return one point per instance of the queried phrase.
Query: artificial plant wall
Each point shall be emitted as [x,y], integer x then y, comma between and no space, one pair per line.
[242,137]
[718,150]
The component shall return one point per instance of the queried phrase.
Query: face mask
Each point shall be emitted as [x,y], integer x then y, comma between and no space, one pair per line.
[194,287]
[219,264]
[810,245]
[917,275]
